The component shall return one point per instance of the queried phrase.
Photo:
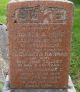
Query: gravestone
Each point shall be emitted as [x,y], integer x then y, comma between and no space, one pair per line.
[3,52]
[3,41]
[39,43]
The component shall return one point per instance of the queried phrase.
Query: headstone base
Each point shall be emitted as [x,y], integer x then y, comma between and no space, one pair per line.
[8,89]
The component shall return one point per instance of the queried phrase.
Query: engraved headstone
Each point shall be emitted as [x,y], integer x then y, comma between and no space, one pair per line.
[39,43]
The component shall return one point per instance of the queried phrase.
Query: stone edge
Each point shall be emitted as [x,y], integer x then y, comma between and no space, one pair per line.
[7,87]
[65,1]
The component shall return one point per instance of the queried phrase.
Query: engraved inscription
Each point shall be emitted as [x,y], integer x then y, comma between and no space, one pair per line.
[41,53]
[39,14]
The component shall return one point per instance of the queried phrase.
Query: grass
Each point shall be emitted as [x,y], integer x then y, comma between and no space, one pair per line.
[75,54]
[1,85]
[75,62]
[3,10]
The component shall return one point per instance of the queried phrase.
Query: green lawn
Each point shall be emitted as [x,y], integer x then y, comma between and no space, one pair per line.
[75,60]
[3,12]
[1,85]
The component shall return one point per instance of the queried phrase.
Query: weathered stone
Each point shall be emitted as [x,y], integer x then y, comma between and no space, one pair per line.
[3,52]
[8,89]
[3,41]
[39,43]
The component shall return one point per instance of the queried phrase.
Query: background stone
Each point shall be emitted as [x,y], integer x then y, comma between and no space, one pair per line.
[3,52]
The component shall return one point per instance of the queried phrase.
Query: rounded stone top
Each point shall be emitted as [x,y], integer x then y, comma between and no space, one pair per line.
[14,1]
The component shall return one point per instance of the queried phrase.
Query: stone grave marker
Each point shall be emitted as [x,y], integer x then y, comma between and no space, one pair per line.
[3,52]
[3,42]
[39,43]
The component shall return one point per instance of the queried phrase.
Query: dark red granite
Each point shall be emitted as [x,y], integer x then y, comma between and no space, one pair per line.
[39,43]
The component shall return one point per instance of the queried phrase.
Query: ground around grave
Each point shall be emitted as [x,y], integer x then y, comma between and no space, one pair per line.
[1,85]
[75,59]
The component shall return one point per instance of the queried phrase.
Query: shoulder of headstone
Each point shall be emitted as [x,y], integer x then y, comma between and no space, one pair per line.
[64,1]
